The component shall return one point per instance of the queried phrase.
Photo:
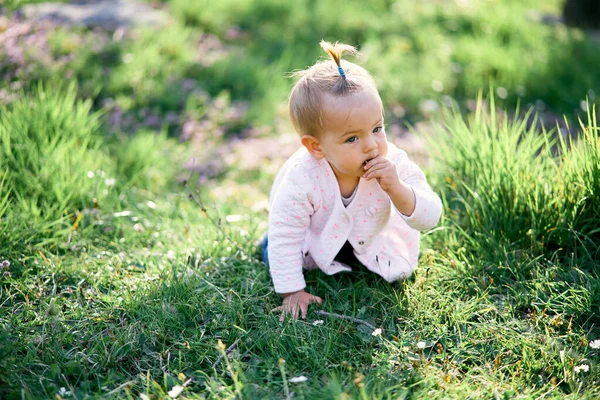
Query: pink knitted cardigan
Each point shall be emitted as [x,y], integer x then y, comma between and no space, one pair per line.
[308,223]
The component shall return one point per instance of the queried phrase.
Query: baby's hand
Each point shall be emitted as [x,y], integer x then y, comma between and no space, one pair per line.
[384,171]
[297,303]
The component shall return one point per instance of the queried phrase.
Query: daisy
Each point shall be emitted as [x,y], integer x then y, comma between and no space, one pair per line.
[595,344]
[582,367]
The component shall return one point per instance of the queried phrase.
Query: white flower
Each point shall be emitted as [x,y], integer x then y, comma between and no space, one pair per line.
[298,379]
[110,182]
[318,322]
[175,391]
[233,218]
[421,344]
[376,332]
[595,344]
[62,392]
[582,367]
[151,204]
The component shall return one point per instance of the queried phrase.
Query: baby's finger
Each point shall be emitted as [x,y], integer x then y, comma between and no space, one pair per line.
[288,311]
[304,310]
[382,169]
[296,311]
[316,299]
[373,173]
[377,167]
[277,309]
[368,164]
[375,161]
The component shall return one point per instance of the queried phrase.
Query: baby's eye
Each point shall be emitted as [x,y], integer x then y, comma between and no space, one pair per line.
[378,129]
[351,139]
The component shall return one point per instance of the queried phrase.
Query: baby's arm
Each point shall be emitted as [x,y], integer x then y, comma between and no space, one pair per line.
[407,187]
[289,219]
[428,206]
[401,194]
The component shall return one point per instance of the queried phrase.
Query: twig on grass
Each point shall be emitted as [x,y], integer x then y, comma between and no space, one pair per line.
[229,349]
[352,319]
[118,388]
[217,224]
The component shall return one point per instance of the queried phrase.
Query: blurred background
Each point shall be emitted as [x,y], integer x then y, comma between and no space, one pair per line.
[216,72]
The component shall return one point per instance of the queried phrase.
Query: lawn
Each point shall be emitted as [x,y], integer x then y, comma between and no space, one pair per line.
[135,168]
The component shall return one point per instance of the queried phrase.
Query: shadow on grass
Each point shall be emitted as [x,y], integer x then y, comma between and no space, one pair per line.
[93,337]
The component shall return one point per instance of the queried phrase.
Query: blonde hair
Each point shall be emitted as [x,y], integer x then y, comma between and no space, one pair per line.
[324,77]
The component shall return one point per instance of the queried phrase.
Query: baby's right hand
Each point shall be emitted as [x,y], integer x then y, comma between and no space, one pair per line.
[297,302]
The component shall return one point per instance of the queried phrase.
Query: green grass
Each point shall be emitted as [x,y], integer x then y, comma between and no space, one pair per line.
[122,286]
[135,298]
[407,46]
[418,52]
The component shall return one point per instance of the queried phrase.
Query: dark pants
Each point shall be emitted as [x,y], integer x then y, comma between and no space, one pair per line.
[345,255]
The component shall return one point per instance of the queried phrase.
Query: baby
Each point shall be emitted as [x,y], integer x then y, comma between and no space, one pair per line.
[347,196]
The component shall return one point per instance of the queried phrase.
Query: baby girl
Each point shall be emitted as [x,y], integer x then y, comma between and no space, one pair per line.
[347,196]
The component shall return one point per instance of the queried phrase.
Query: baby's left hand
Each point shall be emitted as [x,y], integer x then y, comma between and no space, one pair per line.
[384,171]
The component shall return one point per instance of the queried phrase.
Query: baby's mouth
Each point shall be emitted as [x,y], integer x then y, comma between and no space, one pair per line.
[366,161]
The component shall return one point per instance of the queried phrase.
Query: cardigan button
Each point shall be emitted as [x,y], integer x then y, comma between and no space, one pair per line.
[361,242]
[370,211]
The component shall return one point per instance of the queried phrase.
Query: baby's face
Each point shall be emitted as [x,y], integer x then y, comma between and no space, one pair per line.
[354,133]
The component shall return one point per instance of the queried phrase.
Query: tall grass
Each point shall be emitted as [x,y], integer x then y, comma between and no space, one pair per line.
[523,209]
[520,186]
[578,230]
[49,143]
[496,174]
[56,163]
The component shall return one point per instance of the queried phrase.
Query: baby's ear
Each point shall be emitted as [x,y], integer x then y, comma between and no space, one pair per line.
[313,146]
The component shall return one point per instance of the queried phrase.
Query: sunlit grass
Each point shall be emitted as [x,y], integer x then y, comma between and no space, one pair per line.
[135,298]
[422,54]
[115,283]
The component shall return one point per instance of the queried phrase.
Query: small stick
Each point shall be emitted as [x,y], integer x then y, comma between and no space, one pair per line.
[115,390]
[358,321]
[216,224]
[229,349]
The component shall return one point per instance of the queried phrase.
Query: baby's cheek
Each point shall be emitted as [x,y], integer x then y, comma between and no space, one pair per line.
[383,148]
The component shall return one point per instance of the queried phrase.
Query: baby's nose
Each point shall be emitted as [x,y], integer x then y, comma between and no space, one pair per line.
[371,147]
[370,144]
[372,151]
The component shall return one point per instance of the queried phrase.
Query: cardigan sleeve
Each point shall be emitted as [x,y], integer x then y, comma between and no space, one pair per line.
[289,219]
[428,206]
